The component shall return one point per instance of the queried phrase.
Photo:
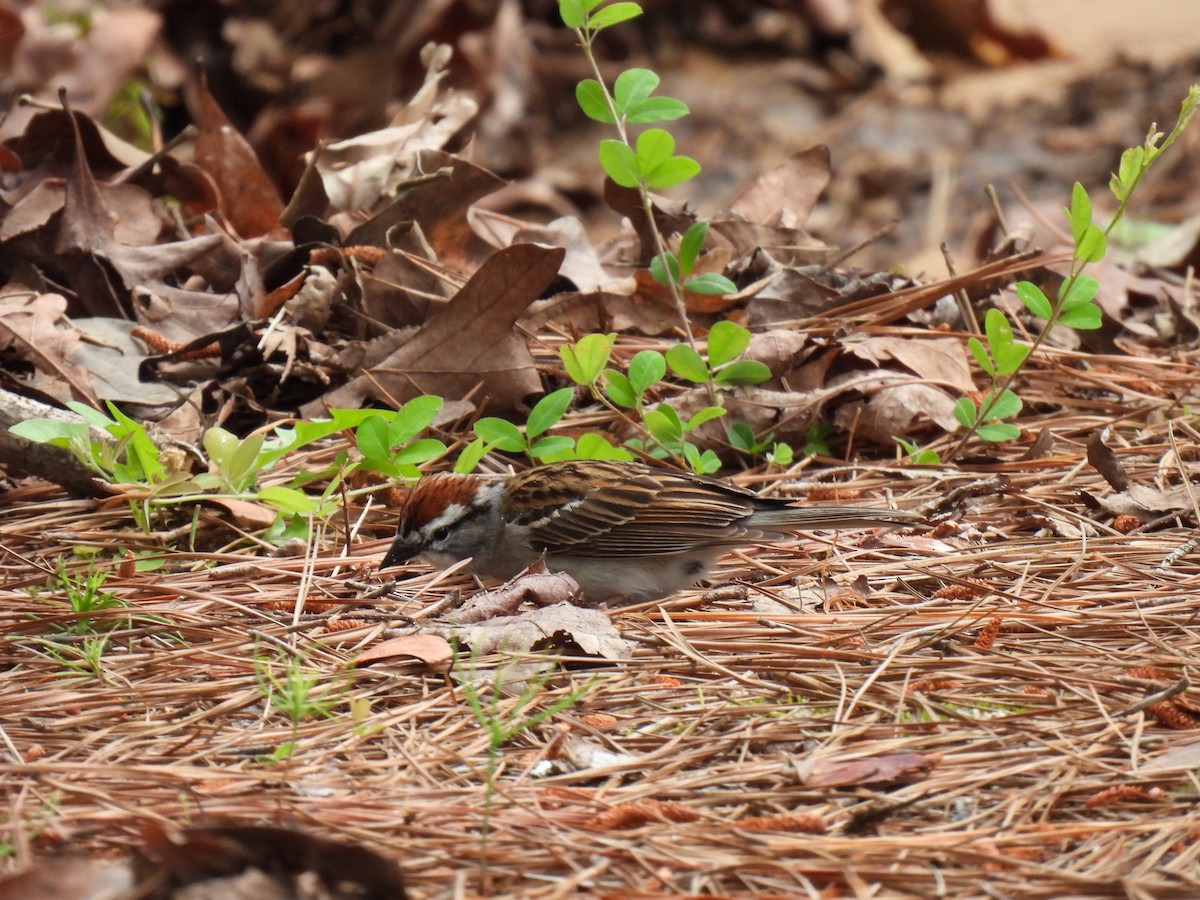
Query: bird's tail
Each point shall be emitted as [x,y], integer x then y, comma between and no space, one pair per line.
[803,518]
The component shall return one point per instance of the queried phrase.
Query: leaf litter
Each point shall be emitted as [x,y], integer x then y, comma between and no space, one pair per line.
[994,706]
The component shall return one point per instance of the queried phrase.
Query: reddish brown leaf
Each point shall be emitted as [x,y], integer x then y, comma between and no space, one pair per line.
[431,649]
[249,199]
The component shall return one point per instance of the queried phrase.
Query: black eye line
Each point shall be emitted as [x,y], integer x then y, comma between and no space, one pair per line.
[473,512]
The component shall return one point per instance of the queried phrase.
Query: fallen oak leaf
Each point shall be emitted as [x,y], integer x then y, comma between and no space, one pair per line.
[469,343]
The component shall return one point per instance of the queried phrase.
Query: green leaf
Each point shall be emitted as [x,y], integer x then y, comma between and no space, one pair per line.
[675,170]
[707,414]
[981,356]
[243,466]
[687,363]
[710,283]
[744,371]
[997,432]
[659,273]
[656,109]
[1130,169]
[709,462]
[619,390]
[620,163]
[1035,301]
[574,12]
[419,452]
[220,446]
[998,330]
[631,87]
[690,246]
[412,418]
[548,411]
[965,412]
[646,369]
[1012,358]
[654,147]
[589,93]
[663,423]
[782,454]
[1078,291]
[1083,318]
[49,431]
[92,416]
[586,359]
[1006,406]
[470,456]
[553,445]
[501,434]
[140,450]
[594,446]
[1080,213]
[614,14]
[287,500]
[726,340]
[371,438]
[1092,246]
[741,437]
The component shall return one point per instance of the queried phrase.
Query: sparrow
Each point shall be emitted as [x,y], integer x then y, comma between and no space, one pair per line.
[624,531]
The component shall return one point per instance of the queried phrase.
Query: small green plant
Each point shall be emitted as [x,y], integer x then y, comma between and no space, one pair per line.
[500,434]
[648,162]
[32,823]
[742,438]
[84,656]
[999,356]
[302,692]
[917,455]
[502,720]
[627,393]
[388,443]
[83,596]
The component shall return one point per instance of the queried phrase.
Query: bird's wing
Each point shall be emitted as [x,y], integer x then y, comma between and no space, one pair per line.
[624,510]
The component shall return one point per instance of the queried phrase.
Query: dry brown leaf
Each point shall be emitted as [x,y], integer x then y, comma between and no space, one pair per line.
[249,199]
[785,195]
[940,361]
[539,587]
[437,198]
[563,624]
[31,324]
[892,410]
[884,769]
[245,512]
[468,344]
[431,649]
[581,264]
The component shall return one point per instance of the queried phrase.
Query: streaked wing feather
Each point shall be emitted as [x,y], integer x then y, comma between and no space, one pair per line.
[627,510]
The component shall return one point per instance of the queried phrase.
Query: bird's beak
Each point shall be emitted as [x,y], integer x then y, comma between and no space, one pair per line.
[398,553]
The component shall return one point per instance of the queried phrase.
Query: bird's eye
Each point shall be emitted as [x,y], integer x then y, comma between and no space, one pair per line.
[441,533]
